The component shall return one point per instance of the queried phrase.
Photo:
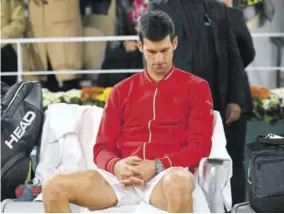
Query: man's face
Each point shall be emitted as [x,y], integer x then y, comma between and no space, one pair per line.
[158,55]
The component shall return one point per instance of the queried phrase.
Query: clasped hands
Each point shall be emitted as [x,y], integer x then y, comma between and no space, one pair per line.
[134,171]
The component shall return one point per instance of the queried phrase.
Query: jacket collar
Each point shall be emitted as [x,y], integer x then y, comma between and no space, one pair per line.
[166,77]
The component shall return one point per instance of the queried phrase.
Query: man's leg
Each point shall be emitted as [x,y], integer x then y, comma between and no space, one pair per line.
[174,191]
[87,188]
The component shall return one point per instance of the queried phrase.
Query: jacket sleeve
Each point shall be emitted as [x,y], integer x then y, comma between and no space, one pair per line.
[236,68]
[16,27]
[244,39]
[200,130]
[105,150]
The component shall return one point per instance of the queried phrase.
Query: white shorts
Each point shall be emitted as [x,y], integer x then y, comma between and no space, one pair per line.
[131,195]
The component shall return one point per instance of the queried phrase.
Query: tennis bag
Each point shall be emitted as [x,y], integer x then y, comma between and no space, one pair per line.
[21,125]
[266,174]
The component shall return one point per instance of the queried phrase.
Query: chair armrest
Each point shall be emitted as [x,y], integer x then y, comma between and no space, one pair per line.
[242,208]
[213,176]
[213,162]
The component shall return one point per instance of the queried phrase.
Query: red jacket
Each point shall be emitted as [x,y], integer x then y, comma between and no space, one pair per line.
[171,120]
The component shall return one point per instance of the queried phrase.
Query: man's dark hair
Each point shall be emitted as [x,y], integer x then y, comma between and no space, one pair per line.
[156,26]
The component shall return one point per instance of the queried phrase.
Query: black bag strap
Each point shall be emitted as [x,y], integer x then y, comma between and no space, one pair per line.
[265,142]
[269,140]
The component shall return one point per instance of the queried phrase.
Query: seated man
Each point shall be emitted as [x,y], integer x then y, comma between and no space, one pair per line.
[156,127]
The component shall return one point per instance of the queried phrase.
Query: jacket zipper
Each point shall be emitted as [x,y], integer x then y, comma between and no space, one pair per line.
[149,123]
[14,97]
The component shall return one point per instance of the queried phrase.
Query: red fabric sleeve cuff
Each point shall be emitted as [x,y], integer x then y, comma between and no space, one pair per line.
[110,165]
[166,161]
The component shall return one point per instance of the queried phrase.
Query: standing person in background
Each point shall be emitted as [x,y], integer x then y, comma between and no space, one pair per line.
[208,48]
[12,27]
[125,54]
[236,132]
[52,18]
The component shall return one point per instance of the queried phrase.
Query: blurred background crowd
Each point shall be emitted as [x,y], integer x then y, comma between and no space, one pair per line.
[85,18]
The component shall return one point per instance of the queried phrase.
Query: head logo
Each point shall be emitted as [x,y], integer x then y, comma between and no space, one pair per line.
[21,129]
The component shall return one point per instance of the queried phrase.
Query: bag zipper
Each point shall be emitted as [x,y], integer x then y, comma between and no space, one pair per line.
[14,97]
[268,161]
[11,162]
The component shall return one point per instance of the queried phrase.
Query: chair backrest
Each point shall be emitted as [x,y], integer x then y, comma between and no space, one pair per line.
[219,141]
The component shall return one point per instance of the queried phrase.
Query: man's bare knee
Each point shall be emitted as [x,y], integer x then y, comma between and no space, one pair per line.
[53,189]
[178,181]
[177,186]
[86,188]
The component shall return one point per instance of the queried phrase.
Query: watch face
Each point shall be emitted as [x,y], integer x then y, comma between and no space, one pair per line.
[159,166]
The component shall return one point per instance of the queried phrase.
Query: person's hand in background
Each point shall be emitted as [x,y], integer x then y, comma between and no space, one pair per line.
[130,46]
[233,113]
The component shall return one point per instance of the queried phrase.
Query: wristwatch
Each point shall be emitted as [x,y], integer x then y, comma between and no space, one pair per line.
[159,166]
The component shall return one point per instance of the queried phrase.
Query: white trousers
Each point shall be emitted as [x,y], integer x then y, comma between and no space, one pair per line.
[132,195]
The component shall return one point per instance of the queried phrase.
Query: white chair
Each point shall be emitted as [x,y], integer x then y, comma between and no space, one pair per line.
[212,176]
